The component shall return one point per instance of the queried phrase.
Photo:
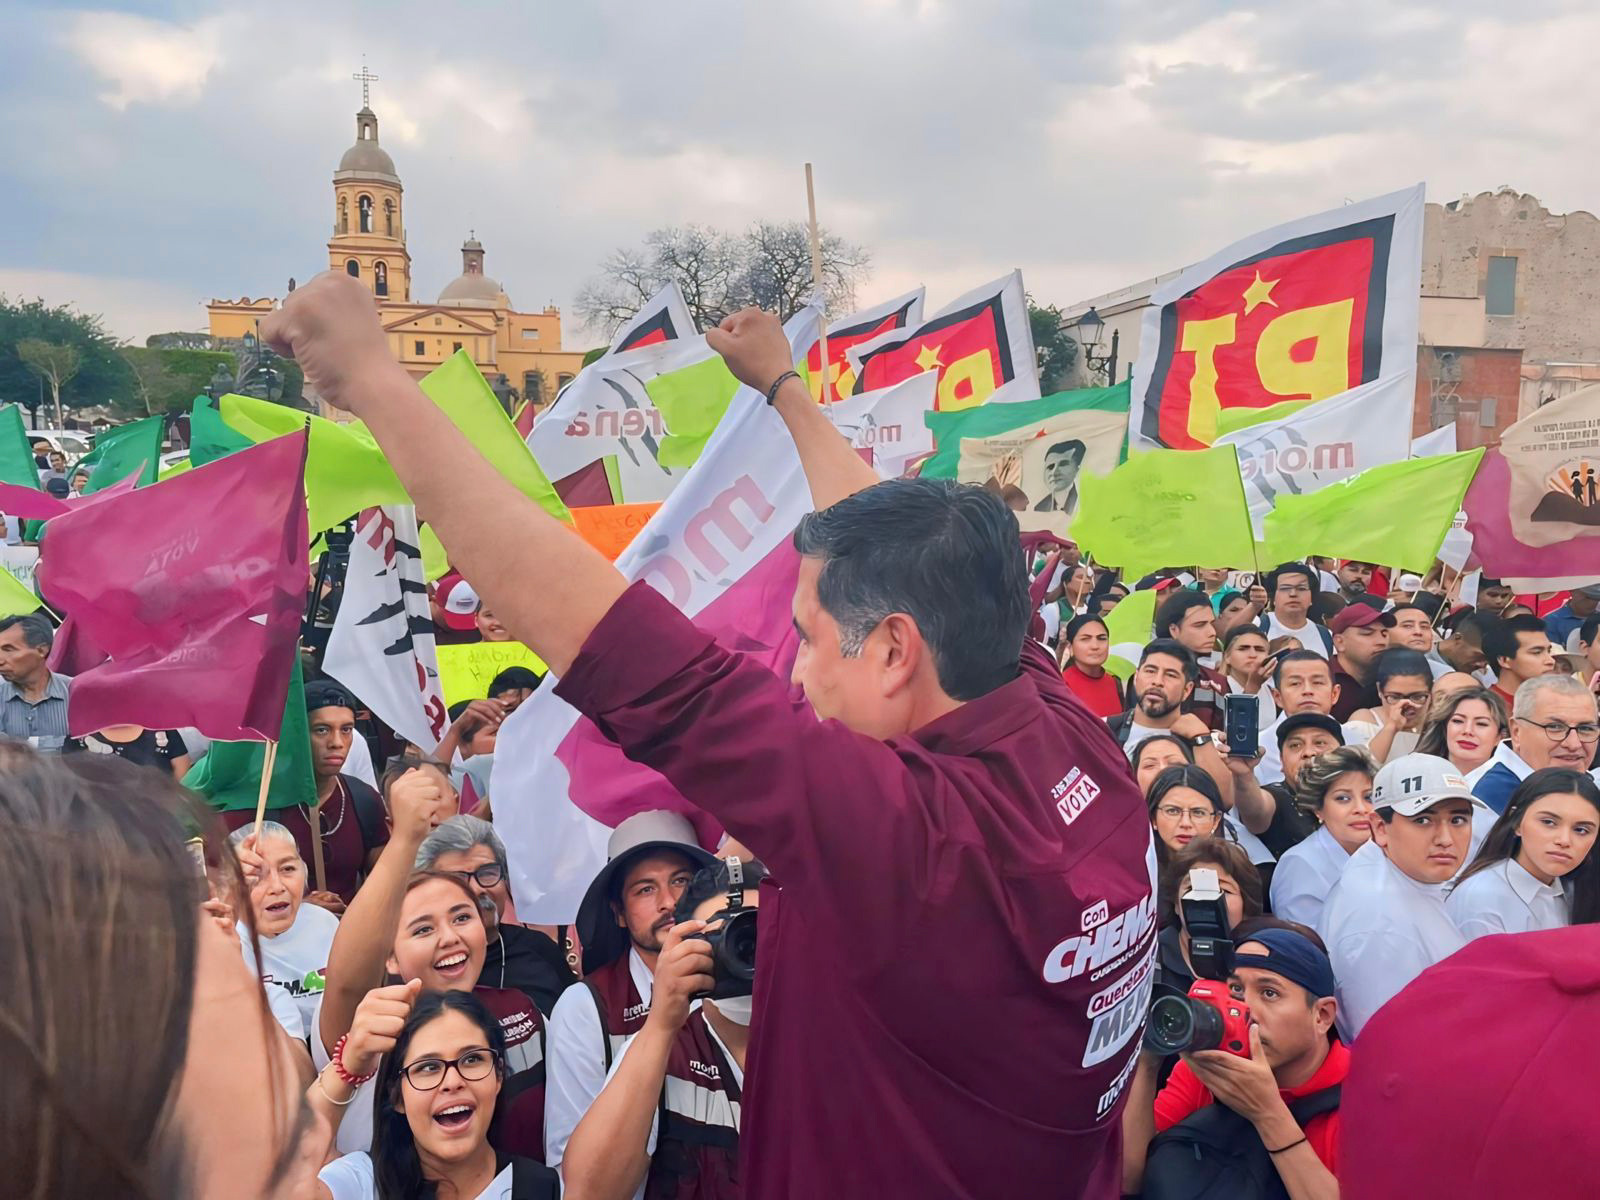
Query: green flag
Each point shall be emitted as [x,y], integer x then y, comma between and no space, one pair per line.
[16,452]
[1167,508]
[459,388]
[1396,514]
[692,400]
[210,437]
[1128,627]
[229,776]
[950,429]
[118,453]
[1231,420]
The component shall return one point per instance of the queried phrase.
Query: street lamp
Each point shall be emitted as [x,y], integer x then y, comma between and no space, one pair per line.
[1090,328]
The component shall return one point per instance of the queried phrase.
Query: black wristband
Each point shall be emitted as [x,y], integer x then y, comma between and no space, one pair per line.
[772,392]
[1290,1146]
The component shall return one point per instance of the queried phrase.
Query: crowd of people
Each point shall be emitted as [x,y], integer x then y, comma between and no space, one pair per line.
[984,968]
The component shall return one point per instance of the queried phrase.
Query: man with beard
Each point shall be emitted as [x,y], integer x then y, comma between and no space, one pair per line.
[1355,578]
[625,913]
[1165,679]
[1360,634]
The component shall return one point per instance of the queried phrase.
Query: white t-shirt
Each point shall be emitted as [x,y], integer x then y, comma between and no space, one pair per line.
[1308,635]
[292,963]
[1504,898]
[358,763]
[282,1006]
[1383,929]
[355,1130]
[352,1178]
[575,1065]
[1361,733]
[1266,707]
[1137,733]
[1305,875]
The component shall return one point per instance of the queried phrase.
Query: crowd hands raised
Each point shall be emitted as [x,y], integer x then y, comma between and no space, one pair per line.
[1346,778]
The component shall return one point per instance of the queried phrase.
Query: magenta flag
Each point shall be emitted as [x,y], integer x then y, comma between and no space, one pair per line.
[194,587]
[33,505]
[1503,555]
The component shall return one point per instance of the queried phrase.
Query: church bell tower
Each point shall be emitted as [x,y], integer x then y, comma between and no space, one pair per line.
[369,238]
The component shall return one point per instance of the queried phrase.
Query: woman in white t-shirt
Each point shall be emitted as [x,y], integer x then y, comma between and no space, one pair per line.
[1537,868]
[439,1085]
[1337,788]
[294,936]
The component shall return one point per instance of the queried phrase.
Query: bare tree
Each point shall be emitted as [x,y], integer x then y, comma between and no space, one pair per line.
[54,362]
[719,273]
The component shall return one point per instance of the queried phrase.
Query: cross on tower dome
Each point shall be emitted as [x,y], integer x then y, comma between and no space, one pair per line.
[366,79]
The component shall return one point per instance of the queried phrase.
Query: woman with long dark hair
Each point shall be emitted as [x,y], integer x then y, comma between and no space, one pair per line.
[1185,804]
[435,1098]
[1087,646]
[1537,868]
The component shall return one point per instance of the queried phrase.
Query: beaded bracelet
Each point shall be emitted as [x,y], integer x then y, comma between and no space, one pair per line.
[337,1063]
[772,392]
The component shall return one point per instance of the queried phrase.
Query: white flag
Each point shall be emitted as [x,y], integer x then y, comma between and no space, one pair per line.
[381,646]
[1324,443]
[888,425]
[1441,441]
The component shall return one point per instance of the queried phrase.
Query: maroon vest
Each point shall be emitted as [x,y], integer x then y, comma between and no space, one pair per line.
[697,1141]
[622,1010]
[519,1116]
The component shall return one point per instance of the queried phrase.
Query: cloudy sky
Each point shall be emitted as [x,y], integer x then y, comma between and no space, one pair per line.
[159,154]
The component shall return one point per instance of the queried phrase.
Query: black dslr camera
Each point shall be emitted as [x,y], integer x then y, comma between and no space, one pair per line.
[1205,917]
[1208,1018]
[733,941]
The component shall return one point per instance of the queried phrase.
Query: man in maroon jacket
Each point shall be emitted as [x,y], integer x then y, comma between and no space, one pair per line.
[961,942]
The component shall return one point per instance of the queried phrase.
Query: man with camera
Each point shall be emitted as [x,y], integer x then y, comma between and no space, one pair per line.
[667,1121]
[1384,921]
[1255,1101]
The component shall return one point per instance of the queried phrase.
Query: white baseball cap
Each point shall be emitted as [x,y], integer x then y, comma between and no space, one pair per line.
[1414,783]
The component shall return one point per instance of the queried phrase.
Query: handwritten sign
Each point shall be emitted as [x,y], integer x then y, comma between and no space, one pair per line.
[465,672]
[610,527]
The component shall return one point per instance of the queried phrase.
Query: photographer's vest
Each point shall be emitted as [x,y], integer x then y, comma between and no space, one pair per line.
[622,1010]
[518,1127]
[697,1139]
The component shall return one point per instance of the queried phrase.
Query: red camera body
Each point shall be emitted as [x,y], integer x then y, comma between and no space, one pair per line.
[1234,1036]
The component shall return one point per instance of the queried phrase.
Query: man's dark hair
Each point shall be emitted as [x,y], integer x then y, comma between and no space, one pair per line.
[713,881]
[1588,630]
[1397,661]
[1294,656]
[1469,622]
[36,629]
[1400,608]
[1173,649]
[456,709]
[1500,642]
[514,677]
[944,553]
[1429,602]
[1070,444]
[1290,568]
[1176,606]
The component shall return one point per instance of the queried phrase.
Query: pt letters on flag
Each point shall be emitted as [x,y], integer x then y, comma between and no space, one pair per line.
[845,334]
[382,643]
[1298,313]
[981,346]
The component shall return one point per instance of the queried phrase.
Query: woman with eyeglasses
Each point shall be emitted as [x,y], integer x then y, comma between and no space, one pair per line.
[1185,804]
[1404,681]
[408,925]
[528,959]
[1336,788]
[1553,724]
[1537,869]
[437,1090]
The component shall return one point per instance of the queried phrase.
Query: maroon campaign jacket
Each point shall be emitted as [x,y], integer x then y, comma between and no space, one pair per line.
[956,966]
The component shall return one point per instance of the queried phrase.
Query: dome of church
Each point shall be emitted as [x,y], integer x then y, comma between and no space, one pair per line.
[366,158]
[472,291]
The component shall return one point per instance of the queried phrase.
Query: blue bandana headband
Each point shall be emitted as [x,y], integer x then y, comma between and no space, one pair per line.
[1294,957]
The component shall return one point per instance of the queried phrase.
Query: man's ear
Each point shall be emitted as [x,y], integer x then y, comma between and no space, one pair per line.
[1380,831]
[900,651]
[1324,1012]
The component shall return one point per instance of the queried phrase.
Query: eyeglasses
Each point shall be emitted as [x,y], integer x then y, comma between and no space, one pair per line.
[426,1074]
[487,876]
[1405,697]
[1200,816]
[1557,731]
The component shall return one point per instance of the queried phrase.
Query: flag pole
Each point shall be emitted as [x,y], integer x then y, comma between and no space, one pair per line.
[269,759]
[317,867]
[816,287]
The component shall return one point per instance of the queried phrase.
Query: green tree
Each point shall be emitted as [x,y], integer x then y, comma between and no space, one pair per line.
[1054,347]
[102,376]
[56,363]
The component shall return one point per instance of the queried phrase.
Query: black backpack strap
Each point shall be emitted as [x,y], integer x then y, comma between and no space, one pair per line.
[532,1180]
[605,1030]
[1315,1105]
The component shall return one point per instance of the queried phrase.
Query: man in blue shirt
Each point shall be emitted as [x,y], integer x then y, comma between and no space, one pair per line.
[1560,622]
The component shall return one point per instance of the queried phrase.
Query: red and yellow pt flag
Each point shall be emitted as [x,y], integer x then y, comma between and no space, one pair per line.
[1299,313]
[848,333]
[981,346]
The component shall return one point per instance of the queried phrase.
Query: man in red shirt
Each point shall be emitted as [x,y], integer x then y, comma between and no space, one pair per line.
[1287,982]
[960,951]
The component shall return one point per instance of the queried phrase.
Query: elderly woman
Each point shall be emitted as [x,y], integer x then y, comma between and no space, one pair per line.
[294,936]
[516,956]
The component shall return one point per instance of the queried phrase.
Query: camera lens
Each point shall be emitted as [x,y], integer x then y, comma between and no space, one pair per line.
[1179,1024]
[739,945]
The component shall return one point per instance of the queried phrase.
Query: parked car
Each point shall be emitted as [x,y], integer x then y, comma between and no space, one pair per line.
[74,443]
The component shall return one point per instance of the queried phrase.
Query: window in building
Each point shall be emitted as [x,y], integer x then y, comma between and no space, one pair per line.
[533,386]
[388,217]
[455,345]
[365,205]
[1500,288]
[380,279]
[421,348]
[352,267]
[562,380]
[438,320]
[1488,413]
[344,215]
[530,335]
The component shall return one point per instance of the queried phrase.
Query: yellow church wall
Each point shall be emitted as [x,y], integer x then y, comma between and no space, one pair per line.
[235,318]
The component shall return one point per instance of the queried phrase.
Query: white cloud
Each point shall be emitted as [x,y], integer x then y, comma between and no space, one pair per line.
[131,308]
[144,60]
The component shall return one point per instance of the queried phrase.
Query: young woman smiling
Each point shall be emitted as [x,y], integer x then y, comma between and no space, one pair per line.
[1464,726]
[1537,868]
[1337,788]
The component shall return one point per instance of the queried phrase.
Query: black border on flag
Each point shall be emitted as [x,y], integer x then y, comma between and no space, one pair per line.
[933,325]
